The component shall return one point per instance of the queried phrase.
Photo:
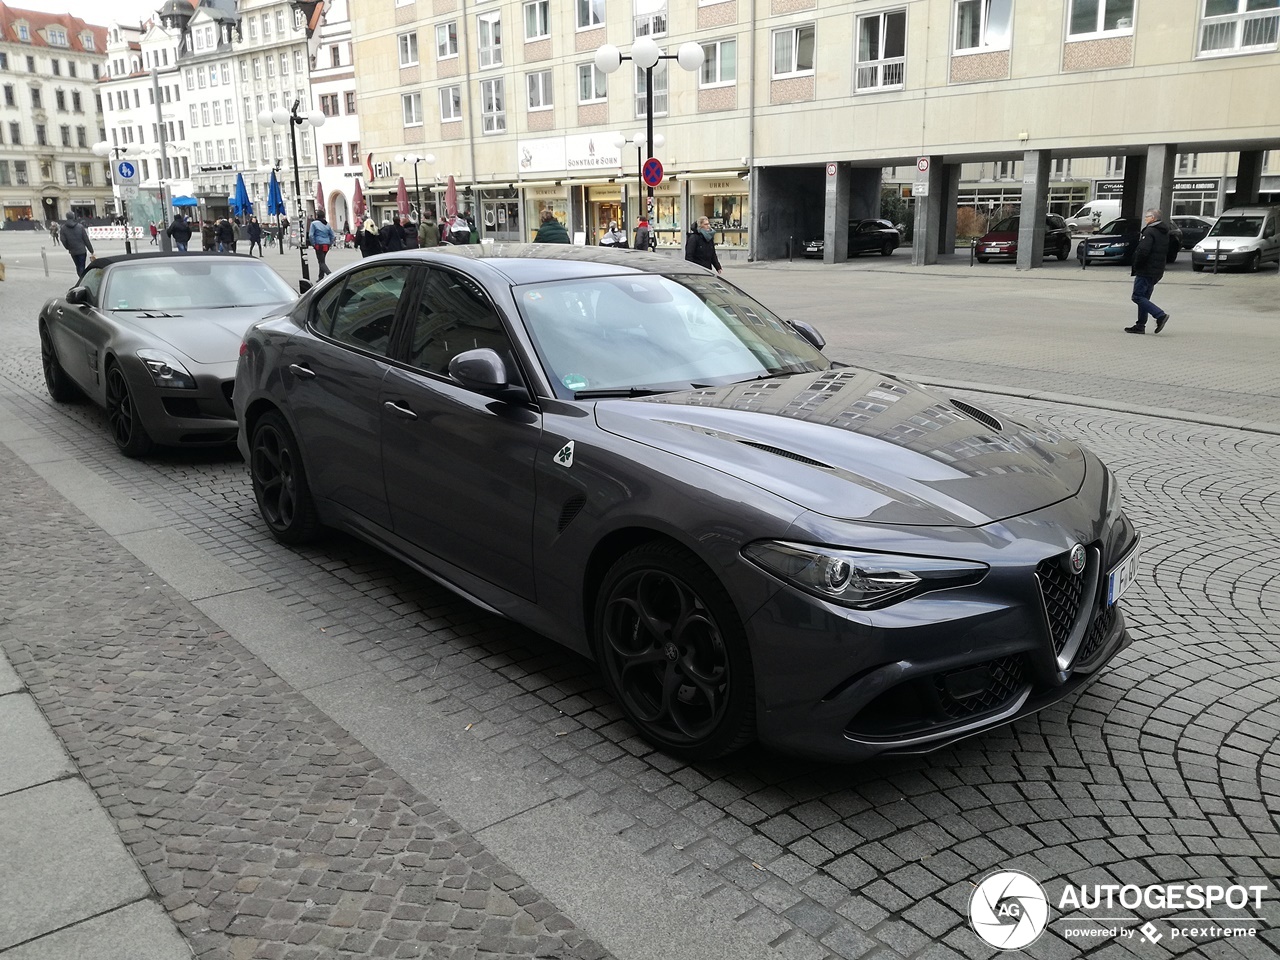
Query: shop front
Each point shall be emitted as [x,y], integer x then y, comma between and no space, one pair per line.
[603,204]
[724,201]
[500,215]
[17,212]
[537,199]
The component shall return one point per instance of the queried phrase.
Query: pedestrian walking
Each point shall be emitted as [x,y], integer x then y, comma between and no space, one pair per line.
[255,235]
[321,237]
[1149,258]
[428,231]
[53,232]
[179,232]
[410,233]
[75,239]
[392,235]
[223,235]
[208,236]
[551,230]
[368,240]
[235,234]
[645,239]
[613,237]
[700,246]
[155,234]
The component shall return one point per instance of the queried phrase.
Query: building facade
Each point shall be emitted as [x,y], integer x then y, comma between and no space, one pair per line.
[333,93]
[50,117]
[803,110]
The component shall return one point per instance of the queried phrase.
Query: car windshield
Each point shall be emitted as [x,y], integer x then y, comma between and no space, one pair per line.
[650,332]
[1116,228]
[175,283]
[1007,225]
[1237,227]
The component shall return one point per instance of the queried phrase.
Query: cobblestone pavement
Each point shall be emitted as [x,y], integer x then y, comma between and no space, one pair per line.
[1166,770]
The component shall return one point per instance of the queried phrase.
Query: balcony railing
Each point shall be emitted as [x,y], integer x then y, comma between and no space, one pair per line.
[881,74]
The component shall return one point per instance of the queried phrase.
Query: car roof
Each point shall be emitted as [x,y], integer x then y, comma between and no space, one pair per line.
[523,263]
[139,257]
[1256,210]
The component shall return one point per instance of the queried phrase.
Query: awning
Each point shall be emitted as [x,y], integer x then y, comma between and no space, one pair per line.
[584,182]
[713,175]
[517,184]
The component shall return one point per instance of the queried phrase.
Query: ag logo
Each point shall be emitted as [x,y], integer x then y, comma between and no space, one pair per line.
[1009,910]
[565,455]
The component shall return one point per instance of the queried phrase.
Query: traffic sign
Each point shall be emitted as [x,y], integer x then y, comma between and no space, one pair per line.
[128,193]
[126,174]
[651,172]
[831,169]
[922,165]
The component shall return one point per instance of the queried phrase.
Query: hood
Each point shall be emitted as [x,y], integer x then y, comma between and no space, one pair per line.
[999,236]
[860,446]
[205,336]
[1160,226]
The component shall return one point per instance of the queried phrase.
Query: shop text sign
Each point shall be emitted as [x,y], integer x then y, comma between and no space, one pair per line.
[586,151]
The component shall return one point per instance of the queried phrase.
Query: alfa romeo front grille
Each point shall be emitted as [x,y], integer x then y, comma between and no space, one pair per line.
[981,689]
[1063,596]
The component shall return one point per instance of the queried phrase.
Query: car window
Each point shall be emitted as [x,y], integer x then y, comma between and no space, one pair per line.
[869,226]
[1237,226]
[201,283]
[1116,228]
[453,316]
[362,315]
[1055,223]
[1007,225]
[92,281]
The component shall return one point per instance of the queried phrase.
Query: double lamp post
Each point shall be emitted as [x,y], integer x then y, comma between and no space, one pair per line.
[294,119]
[429,159]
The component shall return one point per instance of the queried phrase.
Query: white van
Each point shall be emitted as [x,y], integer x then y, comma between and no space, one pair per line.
[1244,237]
[1093,215]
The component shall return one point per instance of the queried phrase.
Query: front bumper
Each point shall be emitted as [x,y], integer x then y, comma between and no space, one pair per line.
[1227,258]
[199,417]
[841,684]
[993,252]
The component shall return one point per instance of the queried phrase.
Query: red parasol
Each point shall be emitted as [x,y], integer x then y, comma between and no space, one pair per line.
[320,209]
[357,202]
[402,198]
[451,199]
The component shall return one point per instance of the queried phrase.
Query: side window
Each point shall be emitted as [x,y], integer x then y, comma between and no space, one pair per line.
[92,281]
[362,315]
[322,318]
[453,316]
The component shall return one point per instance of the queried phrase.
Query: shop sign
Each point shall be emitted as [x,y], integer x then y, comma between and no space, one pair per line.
[1195,184]
[543,153]
[586,151]
[382,170]
[216,167]
[1109,186]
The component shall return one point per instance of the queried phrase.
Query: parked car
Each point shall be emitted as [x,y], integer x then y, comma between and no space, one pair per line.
[865,236]
[1093,215]
[1001,241]
[1194,228]
[1243,237]
[1117,241]
[154,339]
[641,462]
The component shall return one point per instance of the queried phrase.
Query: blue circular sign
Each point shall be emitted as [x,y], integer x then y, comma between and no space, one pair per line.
[127,170]
[652,171]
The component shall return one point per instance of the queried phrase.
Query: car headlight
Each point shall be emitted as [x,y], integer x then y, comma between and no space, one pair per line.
[166,371]
[1113,496]
[859,578]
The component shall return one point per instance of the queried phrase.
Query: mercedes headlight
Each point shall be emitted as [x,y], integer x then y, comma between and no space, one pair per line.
[859,578]
[166,371]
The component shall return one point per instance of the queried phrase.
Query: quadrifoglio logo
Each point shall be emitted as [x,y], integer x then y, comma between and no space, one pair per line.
[1010,910]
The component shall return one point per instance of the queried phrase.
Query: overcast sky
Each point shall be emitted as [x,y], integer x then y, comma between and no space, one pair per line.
[100,12]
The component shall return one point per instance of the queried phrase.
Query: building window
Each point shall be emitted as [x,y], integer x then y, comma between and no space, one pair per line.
[537,19]
[4,60]
[297,62]
[1188,163]
[257,68]
[793,51]
[55,65]
[82,138]
[1115,166]
[65,134]
[24,33]
[329,105]
[590,13]
[1061,169]
[659,91]
[335,57]
[284,64]
[350,97]
[226,73]
[982,25]
[76,104]
[592,86]
[253,29]
[217,112]
[446,40]
[411,106]
[333,154]
[489,27]
[42,135]
[15,134]
[1091,18]
[408,46]
[650,19]
[539,85]
[70,170]
[60,101]
[20,173]
[86,39]
[1006,170]
[882,47]
[353,152]
[57,37]
[36,102]
[191,80]
[271,68]
[9,99]
[31,64]
[450,103]
[204,115]
[233,151]
[71,68]
[493,109]
[720,66]
[4,173]
[251,153]
[1239,26]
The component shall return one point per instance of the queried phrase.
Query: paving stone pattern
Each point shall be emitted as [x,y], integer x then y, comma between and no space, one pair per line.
[1167,769]
[263,828]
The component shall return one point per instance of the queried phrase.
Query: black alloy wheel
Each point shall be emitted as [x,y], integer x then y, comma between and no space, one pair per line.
[887,248]
[56,381]
[280,482]
[674,653]
[1064,249]
[1255,262]
[126,425]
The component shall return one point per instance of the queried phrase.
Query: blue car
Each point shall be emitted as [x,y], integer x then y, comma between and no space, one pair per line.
[1116,242]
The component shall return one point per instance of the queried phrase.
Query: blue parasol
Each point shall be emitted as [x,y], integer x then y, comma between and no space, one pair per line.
[185,202]
[275,200]
[240,202]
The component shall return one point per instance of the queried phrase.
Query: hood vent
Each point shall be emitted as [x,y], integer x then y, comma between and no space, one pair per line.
[779,452]
[980,415]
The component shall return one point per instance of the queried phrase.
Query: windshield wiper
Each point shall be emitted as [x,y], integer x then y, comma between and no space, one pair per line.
[610,392]
[145,311]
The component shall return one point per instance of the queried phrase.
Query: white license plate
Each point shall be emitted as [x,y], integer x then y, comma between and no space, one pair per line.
[1122,576]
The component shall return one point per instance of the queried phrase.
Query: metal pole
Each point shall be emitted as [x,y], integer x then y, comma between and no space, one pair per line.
[417,188]
[294,121]
[648,124]
[166,246]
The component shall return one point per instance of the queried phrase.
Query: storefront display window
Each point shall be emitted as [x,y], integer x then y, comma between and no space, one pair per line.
[603,204]
[538,200]
[724,202]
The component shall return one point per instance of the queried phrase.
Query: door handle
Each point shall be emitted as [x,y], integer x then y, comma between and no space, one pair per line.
[301,372]
[400,411]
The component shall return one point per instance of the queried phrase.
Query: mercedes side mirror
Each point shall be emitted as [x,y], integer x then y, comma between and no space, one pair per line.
[809,332]
[78,295]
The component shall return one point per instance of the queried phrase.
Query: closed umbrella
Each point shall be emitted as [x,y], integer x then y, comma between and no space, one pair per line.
[320,200]
[402,198]
[240,202]
[451,199]
[275,199]
[357,202]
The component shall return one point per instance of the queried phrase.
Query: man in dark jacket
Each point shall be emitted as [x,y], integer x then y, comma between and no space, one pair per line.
[76,240]
[224,235]
[255,236]
[1148,267]
[700,246]
[179,232]
[551,230]
[392,235]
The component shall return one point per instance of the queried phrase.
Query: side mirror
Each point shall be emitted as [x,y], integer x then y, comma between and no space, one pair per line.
[78,295]
[304,286]
[483,371]
[809,332]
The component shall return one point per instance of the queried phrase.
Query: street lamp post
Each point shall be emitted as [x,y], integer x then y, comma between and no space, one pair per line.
[430,158]
[104,149]
[294,119]
[645,54]
[639,142]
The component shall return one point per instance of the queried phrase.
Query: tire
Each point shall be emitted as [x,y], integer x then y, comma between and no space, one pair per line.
[674,654]
[1198,267]
[984,259]
[886,249]
[60,386]
[127,429]
[1254,262]
[280,482]
[1064,250]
